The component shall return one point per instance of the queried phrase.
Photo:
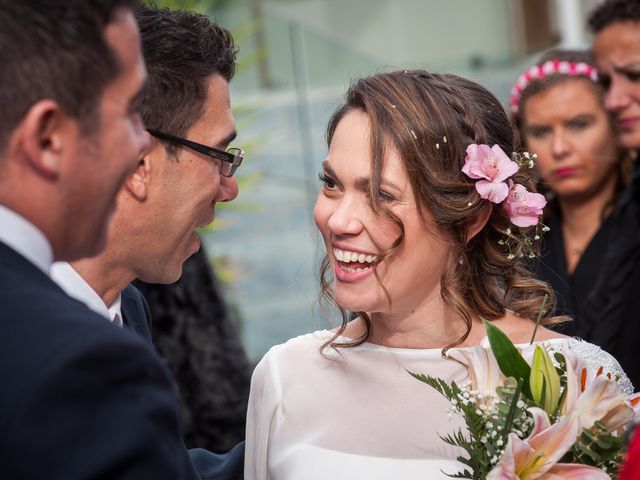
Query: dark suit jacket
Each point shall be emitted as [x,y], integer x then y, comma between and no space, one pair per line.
[136,316]
[81,398]
[135,312]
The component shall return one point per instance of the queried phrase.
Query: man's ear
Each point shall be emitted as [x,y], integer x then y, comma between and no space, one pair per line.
[137,183]
[42,137]
[478,221]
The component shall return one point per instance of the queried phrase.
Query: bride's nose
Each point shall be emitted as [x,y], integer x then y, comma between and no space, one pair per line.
[346,218]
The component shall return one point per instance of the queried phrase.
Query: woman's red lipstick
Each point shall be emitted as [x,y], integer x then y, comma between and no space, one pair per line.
[565,172]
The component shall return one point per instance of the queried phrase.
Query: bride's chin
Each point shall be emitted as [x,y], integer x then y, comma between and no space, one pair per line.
[351,305]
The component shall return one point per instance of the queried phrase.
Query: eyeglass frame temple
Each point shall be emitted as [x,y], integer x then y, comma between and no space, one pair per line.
[235,159]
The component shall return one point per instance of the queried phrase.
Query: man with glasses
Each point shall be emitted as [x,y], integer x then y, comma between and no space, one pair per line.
[178,180]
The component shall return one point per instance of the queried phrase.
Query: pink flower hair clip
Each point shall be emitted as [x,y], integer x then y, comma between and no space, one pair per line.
[493,169]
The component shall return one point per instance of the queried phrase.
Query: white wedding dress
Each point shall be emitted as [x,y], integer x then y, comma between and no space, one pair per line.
[356,413]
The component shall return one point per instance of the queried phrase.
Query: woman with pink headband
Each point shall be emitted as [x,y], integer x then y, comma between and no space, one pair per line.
[558,107]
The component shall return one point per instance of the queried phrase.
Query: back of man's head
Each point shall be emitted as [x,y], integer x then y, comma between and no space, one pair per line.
[54,49]
[613,11]
[182,51]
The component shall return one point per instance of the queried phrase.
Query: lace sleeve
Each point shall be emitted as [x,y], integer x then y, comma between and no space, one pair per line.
[596,358]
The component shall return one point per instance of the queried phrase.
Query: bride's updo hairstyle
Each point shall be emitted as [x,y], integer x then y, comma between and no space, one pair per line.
[431,119]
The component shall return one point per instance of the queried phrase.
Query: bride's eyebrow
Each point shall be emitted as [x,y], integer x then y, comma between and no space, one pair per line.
[327,168]
[363,184]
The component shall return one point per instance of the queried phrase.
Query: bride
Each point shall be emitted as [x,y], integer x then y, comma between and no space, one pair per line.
[425,222]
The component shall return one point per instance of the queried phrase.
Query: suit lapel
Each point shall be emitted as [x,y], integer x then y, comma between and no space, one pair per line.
[134,316]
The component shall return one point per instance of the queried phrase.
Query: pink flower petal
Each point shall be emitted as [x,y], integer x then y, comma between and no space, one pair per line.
[572,471]
[494,192]
[556,440]
[540,420]
[524,220]
[523,207]
[506,166]
[505,469]
[476,155]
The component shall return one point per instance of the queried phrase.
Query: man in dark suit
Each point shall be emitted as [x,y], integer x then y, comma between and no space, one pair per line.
[187,169]
[80,398]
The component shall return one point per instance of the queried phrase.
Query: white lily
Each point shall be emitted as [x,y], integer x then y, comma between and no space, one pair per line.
[484,372]
[596,397]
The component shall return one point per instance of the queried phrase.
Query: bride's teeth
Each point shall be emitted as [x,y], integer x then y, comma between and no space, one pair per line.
[348,257]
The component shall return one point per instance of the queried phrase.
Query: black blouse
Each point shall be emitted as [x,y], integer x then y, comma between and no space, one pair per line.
[573,289]
[611,316]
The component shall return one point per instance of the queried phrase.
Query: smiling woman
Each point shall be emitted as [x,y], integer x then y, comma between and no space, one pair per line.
[425,219]
[559,107]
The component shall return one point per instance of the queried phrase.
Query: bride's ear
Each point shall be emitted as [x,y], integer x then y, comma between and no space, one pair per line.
[478,220]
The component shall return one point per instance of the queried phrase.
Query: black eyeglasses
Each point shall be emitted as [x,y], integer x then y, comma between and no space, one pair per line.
[231,159]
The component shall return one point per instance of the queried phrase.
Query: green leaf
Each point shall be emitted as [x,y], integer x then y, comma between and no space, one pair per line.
[442,387]
[512,409]
[508,357]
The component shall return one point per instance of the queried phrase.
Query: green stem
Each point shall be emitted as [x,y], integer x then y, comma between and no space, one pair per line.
[544,302]
[512,410]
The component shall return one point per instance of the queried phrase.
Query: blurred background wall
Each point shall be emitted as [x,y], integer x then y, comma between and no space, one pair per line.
[297,58]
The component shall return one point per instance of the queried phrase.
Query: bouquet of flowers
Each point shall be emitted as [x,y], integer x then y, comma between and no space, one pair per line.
[551,417]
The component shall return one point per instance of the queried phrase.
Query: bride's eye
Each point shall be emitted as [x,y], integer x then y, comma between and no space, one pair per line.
[385,197]
[327,182]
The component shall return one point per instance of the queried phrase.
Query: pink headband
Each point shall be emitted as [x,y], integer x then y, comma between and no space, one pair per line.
[550,67]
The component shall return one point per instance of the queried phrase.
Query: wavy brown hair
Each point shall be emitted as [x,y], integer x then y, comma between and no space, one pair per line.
[430,119]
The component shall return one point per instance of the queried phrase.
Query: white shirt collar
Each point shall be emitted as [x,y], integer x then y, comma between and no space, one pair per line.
[115,311]
[77,287]
[25,238]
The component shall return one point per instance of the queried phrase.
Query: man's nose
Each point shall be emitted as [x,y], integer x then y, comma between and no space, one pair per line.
[228,189]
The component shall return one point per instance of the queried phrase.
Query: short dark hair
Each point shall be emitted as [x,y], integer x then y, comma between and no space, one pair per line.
[55,49]
[614,11]
[182,50]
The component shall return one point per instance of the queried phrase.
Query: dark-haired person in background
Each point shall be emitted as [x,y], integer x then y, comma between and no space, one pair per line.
[178,180]
[612,314]
[80,398]
[558,107]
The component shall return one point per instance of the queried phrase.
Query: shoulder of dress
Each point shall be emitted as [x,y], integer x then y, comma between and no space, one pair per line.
[597,358]
[303,346]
